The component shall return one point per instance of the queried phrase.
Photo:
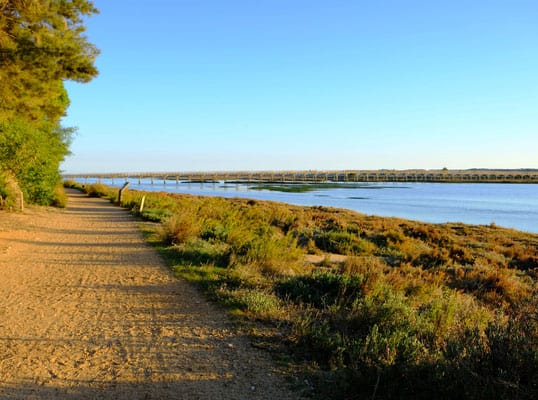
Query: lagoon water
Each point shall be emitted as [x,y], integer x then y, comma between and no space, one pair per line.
[508,205]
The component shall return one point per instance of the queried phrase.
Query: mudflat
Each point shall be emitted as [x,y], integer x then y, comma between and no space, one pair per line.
[88,310]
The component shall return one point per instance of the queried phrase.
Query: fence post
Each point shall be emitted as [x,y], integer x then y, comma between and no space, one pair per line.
[120,193]
[21,201]
[142,204]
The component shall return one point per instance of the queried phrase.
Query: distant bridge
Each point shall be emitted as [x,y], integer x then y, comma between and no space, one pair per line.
[410,175]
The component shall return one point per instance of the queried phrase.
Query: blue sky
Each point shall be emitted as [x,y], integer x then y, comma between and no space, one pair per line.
[202,85]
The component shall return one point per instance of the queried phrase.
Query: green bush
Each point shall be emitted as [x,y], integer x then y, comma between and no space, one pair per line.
[30,152]
[181,227]
[60,197]
[342,242]
[200,252]
[98,190]
[254,302]
[321,289]
[7,195]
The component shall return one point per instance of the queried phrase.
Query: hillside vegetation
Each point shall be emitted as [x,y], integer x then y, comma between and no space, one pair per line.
[407,310]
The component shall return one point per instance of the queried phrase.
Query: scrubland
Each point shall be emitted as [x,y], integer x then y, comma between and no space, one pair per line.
[407,310]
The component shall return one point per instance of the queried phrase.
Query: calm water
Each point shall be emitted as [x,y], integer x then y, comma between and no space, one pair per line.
[508,205]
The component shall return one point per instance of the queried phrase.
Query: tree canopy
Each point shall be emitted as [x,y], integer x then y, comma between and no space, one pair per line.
[42,44]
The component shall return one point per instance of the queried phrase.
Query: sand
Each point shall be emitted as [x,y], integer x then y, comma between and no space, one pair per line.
[89,311]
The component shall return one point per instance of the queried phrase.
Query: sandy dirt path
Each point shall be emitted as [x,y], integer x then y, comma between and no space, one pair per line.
[89,311]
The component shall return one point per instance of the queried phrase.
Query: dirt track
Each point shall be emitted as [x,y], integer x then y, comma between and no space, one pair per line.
[89,311]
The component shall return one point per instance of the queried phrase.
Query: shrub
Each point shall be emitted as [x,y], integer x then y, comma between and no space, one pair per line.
[525,263]
[342,242]
[254,302]
[73,185]
[31,152]
[321,289]
[7,193]
[497,287]
[365,265]
[200,252]
[461,255]
[60,197]
[97,190]
[181,227]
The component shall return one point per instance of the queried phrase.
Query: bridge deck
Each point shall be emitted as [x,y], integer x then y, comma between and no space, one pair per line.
[449,176]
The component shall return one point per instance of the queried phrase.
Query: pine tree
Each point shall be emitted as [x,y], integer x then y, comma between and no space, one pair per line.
[42,44]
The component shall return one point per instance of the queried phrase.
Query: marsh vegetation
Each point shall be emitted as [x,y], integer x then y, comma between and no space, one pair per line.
[407,310]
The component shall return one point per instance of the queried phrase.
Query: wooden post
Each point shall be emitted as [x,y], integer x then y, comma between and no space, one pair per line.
[120,193]
[21,201]
[142,204]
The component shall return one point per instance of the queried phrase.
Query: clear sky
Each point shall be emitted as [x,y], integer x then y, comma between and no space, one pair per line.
[203,85]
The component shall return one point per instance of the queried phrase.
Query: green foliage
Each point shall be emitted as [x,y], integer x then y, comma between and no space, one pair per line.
[200,252]
[73,185]
[98,190]
[181,227]
[31,155]
[242,233]
[60,197]
[41,45]
[7,194]
[320,289]
[343,242]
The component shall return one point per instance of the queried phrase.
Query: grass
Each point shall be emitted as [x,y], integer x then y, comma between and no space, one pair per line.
[415,311]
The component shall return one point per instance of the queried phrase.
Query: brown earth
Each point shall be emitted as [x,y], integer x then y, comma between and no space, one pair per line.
[89,311]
